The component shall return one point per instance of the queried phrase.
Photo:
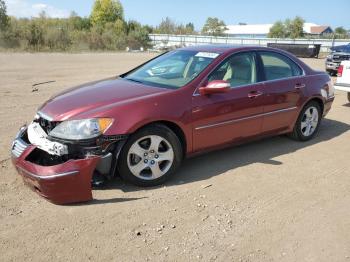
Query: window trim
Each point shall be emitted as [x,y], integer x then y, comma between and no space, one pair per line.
[261,64]
[260,69]
[259,75]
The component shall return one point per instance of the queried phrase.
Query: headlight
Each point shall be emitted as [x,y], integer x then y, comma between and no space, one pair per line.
[81,129]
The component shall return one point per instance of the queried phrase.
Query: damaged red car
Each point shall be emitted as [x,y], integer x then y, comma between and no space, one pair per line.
[142,124]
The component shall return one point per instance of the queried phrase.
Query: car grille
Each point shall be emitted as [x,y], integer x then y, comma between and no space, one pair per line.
[341,57]
[18,147]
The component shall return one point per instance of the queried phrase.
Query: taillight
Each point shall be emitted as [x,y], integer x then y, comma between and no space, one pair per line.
[330,89]
[340,70]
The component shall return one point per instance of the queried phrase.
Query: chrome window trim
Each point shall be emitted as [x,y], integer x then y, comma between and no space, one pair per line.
[293,61]
[262,82]
[245,118]
[50,176]
[258,83]
[196,92]
[281,79]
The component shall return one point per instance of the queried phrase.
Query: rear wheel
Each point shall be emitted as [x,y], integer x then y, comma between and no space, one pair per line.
[150,156]
[308,122]
[349,96]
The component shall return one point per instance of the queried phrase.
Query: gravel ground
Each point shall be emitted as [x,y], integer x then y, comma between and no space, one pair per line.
[271,200]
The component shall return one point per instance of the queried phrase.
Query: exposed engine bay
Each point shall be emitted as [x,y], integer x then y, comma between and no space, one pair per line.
[50,151]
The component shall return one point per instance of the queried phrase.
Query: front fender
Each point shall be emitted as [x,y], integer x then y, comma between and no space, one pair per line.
[173,107]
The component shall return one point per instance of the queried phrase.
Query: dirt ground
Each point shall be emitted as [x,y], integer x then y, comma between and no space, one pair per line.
[272,200]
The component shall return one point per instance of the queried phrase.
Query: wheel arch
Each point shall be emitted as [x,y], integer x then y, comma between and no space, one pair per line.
[173,127]
[317,100]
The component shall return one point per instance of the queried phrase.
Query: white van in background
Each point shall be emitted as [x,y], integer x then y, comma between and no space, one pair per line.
[343,80]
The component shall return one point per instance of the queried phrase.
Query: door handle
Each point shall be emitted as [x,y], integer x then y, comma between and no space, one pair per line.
[299,86]
[254,94]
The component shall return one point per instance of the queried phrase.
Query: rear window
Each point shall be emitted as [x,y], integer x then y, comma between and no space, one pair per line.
[277,66]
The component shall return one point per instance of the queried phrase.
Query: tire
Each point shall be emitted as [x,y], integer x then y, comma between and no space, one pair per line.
[331,73]
[349,96]
[144,164]
[307,122]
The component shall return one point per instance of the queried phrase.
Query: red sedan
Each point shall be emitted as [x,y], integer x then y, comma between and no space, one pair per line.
[142,124]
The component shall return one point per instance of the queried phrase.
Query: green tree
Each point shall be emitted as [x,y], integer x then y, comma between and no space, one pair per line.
[278,30]
[58,38]
[149,28]
[167,26]
[139,38]
[35,35]
[214,26]
[13,34]
[4,19]
[289,28]
[138,35]
[119,27]
[132,25]
[106,11]
[295,27]
[105,29]
[78,23]
[340,31]
[189,28]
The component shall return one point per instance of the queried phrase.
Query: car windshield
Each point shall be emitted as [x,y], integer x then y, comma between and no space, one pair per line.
[342,48]
[172,70]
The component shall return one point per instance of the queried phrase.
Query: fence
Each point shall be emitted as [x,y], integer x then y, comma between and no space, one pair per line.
[188,40]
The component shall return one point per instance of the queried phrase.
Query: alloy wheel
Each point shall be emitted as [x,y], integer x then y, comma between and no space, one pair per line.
[150,157]
[309,121]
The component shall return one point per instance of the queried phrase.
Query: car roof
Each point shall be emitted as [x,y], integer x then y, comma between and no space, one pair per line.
[222,48]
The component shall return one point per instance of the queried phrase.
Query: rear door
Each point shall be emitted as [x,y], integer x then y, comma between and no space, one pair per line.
[284,89]
[227,117]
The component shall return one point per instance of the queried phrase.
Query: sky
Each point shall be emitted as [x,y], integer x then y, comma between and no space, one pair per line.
[183,11]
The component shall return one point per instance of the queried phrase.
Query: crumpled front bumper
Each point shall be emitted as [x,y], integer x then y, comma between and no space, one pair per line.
[68,182]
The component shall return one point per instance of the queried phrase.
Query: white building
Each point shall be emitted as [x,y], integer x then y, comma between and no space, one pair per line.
[262,30]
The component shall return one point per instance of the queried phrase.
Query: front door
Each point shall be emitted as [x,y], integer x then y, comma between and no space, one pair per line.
[227,117]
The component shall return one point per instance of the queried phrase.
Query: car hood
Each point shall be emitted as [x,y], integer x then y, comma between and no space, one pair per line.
[90,97]
[340,53]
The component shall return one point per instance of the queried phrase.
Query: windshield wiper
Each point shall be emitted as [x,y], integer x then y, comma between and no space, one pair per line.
[134,80]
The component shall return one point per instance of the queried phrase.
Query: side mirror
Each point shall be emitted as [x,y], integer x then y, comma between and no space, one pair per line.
[214,87]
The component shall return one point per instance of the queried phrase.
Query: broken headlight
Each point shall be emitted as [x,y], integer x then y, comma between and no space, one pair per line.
[81,129]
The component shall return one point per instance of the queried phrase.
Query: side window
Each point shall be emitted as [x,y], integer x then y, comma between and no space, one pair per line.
[278,66]
[238,70]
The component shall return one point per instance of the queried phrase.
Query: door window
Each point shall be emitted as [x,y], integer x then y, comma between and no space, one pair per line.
[277,66]
[238,70]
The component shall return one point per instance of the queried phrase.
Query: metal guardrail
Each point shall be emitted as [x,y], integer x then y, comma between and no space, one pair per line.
[188,40]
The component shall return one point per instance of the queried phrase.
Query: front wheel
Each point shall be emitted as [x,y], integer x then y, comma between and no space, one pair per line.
[150,156]
[308,122]
[332,73]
